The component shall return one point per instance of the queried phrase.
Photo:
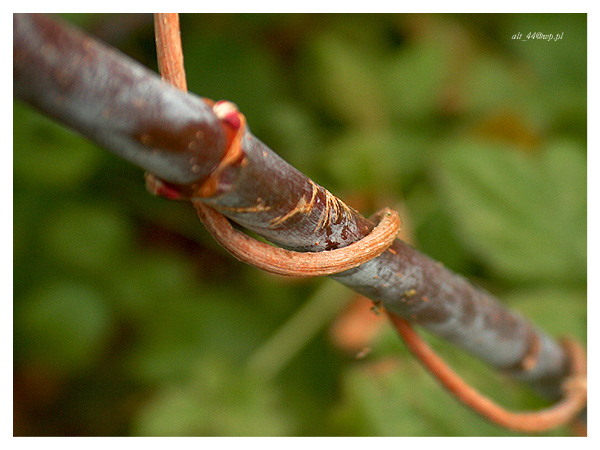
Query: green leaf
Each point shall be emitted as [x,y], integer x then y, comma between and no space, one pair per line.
[88,237]
[218,68]
[415,77]
[292,130]
[217,400]
[387,398]
[524,217]
[63,325]
[344,79]
[48,155]
[378,160]
[438,241]
[493,85]
[177,317]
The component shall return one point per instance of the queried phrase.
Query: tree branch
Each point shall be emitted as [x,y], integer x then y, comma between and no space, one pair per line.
[124,107]
[114,101]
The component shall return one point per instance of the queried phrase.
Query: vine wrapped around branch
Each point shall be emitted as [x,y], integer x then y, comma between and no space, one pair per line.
[124,107]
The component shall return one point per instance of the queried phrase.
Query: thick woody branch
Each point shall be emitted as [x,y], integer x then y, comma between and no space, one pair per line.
[113,100]
[124,107]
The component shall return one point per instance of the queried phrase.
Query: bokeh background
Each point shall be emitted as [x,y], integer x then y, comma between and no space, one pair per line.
[130,320]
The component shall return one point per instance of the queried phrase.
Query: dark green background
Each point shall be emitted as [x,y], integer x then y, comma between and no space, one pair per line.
[130,320]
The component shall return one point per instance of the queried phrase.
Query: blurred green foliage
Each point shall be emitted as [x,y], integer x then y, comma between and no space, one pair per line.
[129,320]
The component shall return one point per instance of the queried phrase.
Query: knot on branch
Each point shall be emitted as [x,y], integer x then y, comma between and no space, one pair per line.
[234,124]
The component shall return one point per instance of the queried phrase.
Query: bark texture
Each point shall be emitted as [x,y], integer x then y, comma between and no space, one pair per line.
[113,100]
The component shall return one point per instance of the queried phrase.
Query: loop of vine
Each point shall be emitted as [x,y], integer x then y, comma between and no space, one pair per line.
[277,260]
